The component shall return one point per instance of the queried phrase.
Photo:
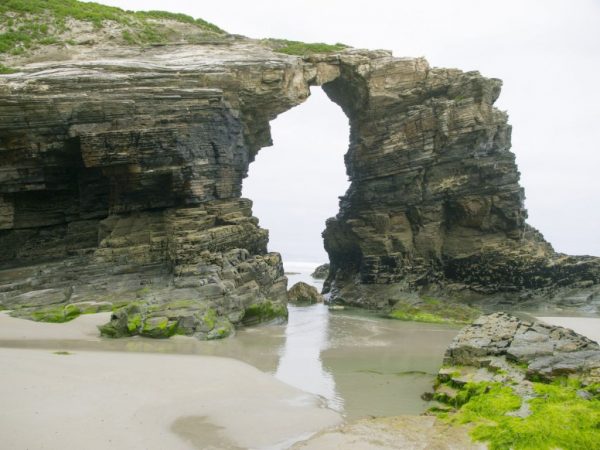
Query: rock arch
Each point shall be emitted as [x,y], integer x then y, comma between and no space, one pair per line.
[164,138]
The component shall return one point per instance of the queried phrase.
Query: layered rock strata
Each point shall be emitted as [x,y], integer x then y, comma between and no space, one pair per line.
[546,351]
[121,173]
[435,203]
[121,182]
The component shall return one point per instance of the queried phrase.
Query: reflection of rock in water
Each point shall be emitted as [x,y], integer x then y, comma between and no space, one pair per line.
[300,364]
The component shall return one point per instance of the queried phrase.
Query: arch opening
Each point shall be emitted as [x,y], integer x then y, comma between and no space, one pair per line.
[296,184]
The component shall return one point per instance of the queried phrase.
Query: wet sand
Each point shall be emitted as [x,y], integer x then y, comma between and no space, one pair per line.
[142,393]
[98,400]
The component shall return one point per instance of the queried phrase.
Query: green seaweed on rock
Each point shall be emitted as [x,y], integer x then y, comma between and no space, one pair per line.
[264,312]
[432,310]
[561,417]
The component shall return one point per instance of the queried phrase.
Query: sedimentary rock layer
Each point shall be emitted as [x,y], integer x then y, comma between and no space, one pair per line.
[121,174]
[435,201]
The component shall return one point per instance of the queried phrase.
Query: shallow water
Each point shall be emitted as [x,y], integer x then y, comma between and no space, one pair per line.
[360,364]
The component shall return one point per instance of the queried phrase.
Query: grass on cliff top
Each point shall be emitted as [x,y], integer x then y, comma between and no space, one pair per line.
[303,48]
[26,24]
[560,417]
[5,70]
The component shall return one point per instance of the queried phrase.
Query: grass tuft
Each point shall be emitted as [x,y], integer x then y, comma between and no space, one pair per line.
[28,24]
[303,48]
[6,70]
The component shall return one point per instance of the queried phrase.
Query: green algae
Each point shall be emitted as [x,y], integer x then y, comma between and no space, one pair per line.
[134,322]
[560,417]
[64,313]
[432,310]
[264,312]
[4,70]
[158,327]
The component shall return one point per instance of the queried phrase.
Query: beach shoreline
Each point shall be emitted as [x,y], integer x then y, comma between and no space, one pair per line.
[102,399]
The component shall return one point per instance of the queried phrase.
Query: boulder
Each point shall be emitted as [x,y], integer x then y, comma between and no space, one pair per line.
[304,293]
[321,272]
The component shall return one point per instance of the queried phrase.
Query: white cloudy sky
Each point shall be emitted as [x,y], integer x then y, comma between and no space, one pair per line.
[546,51]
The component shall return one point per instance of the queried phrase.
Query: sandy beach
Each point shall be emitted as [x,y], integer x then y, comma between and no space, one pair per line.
[99,400]
[124,399]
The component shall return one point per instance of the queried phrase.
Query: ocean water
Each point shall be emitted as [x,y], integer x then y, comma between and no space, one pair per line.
[300,271]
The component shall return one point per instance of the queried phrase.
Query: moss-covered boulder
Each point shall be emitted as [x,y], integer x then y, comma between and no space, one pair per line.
[433,310]
[265,311]
[304,293]
[126,321]
[521,385]
[321,272]
[185,317]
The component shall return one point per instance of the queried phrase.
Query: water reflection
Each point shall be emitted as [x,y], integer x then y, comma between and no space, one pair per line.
[300,364]
[360,364]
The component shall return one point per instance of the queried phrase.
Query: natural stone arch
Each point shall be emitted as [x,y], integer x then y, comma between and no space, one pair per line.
[434,201]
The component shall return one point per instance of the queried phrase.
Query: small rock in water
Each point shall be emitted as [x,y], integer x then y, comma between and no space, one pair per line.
[321,272]
[304,293]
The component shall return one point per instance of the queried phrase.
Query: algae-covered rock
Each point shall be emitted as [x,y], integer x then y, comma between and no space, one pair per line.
[159,327]
[304,293]
[522,384]
[185,317]
[266,311]
[432,310]
[126,321]
[321,272]
[62,313]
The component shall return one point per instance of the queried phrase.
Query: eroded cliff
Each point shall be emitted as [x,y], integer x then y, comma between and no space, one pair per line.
[121,173]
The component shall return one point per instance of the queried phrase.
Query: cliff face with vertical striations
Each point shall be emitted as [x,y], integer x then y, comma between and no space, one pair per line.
[121,172]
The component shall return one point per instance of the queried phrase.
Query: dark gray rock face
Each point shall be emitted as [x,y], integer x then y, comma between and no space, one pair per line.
[547,351]
[121,173]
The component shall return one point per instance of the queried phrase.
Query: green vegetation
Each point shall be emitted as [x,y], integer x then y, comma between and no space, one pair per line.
[134,322]
[6,70]
[62,353]
[431,310]
[221,330]
[210,318]
[264,312]
[26,24]
[560,417]
[303,48]
[65,313]
[159,327]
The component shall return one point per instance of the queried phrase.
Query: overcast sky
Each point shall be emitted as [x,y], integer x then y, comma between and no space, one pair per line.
[547,52]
